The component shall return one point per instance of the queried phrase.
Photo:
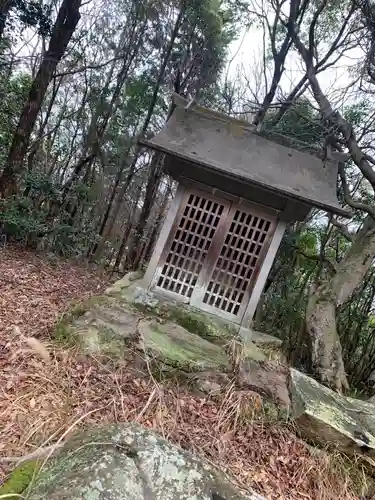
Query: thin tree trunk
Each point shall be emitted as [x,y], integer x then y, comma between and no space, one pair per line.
[148,248]
[63,29]
[129,227]
[121,251]
[107,230]
[145,125]
[98,247]
[96,131]
[258,318]
[151,190]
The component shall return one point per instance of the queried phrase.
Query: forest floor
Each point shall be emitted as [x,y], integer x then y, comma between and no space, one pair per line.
[48,391]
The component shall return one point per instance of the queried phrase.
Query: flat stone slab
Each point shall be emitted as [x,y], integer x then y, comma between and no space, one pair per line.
[326,417]
[129,462]
[178,347]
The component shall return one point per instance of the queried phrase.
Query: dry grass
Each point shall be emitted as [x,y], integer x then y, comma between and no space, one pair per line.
[47,392]
[44,401]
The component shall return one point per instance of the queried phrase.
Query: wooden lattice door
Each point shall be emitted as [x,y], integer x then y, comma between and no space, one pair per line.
[189,242]
[213,254]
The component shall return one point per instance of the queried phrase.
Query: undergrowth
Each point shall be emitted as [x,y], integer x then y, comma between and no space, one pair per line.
[45,401]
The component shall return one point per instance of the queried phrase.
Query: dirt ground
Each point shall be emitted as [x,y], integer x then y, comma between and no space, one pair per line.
[48,391]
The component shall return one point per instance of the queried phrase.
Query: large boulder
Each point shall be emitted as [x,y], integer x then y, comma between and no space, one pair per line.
[128,462]
[326,418]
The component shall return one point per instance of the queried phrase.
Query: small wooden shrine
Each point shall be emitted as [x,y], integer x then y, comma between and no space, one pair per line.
[237,191]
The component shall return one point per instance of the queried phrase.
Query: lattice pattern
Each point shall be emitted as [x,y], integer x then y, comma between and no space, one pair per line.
[231,277]
[192,240]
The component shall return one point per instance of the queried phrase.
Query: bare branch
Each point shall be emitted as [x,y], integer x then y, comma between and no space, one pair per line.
[343,229]
[349,199]
[333,116]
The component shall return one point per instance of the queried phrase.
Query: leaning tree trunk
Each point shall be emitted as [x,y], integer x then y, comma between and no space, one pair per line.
[326,353]
[62,31]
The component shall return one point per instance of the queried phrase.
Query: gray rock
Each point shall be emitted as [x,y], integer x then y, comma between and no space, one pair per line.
[271,346]
[268,378]
[106,329]
[142,297]
[211,382]
[128,462]
[328,418]
[123,283]
[259,338]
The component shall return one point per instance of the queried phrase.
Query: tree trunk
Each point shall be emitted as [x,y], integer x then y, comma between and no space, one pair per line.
[326,353]
[63,29]
[156,229]
[258,318]
[153,183]
[110,220]
[128,230]
[97,248]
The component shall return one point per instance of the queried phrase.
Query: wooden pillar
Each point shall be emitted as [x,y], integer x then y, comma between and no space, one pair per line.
[263,274]
[164,233]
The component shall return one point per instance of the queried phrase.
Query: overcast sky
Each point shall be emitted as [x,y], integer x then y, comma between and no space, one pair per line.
[246,56]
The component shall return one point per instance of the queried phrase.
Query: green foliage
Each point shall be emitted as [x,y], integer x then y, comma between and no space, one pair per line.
[356,113]
[13,93]
[19,480]
[34,13]
[31,218]
[21,219]
[300,121]
[31,13]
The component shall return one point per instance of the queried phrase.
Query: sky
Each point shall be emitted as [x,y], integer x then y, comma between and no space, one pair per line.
[246,56]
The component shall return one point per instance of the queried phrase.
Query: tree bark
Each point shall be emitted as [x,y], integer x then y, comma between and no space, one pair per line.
[326,352]
[149,247]
[128,230]
[152,187]
[63,29]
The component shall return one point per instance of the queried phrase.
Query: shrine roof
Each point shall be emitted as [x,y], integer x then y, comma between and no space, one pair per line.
[233,148]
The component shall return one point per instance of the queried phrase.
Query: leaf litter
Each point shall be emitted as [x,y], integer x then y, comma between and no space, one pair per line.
[47,392]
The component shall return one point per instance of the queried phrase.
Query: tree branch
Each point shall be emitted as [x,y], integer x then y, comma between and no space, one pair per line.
[343,229]
[357,205]
[333,116]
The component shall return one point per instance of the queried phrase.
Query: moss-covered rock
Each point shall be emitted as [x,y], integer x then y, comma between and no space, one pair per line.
[19,480]
[192,340]
[65,331]
[121,285]
[327,418]
[104,329]
[205,325]
[271,346]
[175,346]
[128,462]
